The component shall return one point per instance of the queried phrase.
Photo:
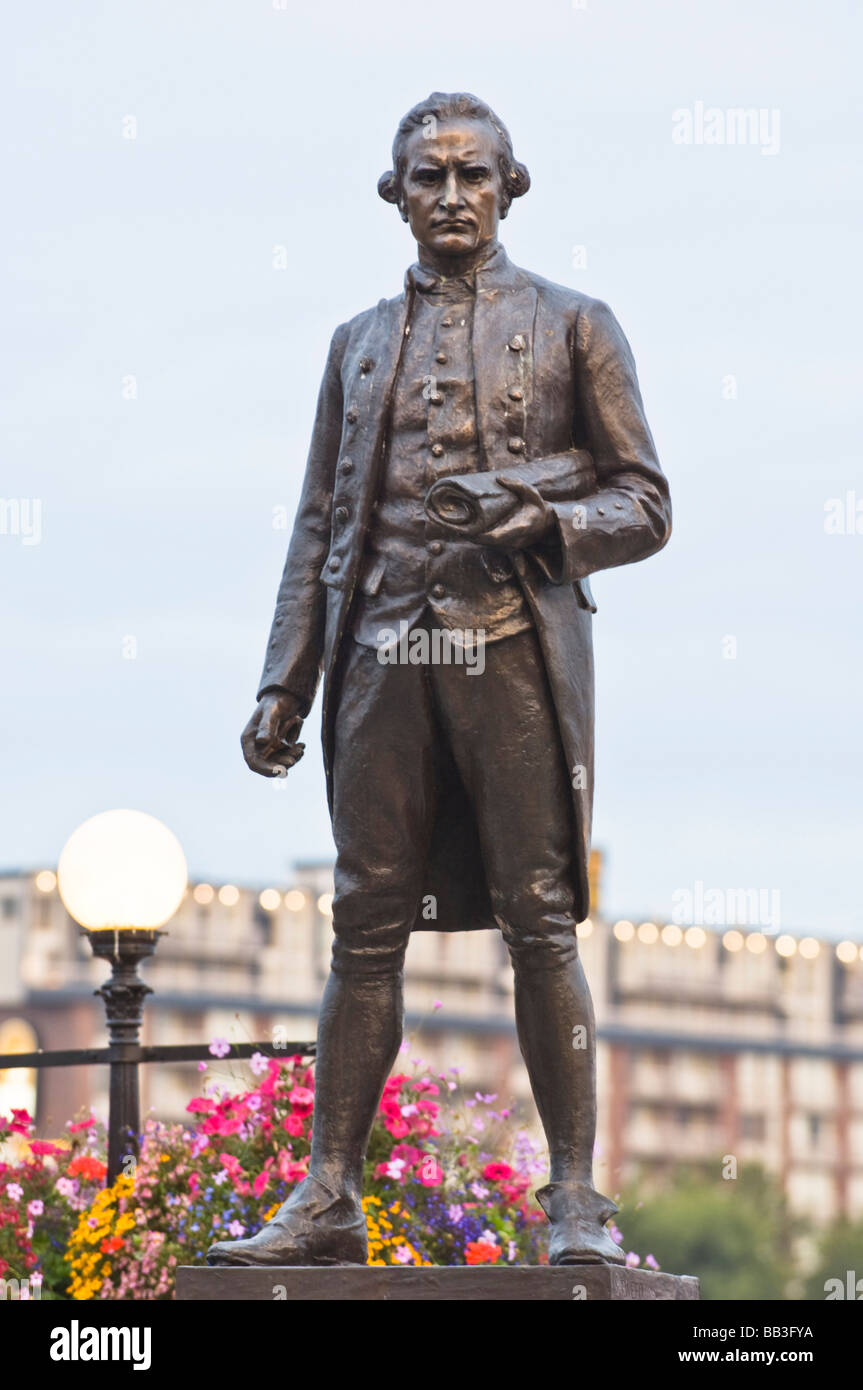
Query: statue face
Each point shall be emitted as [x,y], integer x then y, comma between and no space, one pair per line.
[452,186]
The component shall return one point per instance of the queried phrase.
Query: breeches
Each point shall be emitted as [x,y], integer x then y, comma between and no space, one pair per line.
[394,726]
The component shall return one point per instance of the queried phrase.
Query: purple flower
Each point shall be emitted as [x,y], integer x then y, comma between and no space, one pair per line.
[486,1100]
[402,1255]
[258,1063]
[651,1262]
[479,1191]
[67,1187]
[632,1260]
[615,1233]
[511,1251]
[438,1004]
[202,1066]
[236,1229]
[455,1213]
[219,1047]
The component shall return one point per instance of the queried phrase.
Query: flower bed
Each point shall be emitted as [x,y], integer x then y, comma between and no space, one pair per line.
[449,1181]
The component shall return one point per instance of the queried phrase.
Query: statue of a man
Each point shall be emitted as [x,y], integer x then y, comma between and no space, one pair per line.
[457,782]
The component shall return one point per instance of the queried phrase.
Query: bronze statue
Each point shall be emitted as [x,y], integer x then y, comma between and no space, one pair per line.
[464,782]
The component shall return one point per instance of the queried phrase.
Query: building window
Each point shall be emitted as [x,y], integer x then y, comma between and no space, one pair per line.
[753,1127]
[10,907]
[814,1129]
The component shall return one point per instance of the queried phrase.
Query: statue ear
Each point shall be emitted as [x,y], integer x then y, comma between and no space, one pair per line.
[389,191]
[517,184]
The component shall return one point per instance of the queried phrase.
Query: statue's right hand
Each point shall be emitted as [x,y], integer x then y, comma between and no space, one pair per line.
[269,739]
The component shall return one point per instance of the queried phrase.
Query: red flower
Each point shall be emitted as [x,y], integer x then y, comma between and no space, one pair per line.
[496,1172]
[293,1124]
[82,1124]
[109,1246]
[302,1100]
[481,1252]
[428,1086]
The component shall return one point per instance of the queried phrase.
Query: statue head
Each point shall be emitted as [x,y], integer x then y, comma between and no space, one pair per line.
[454,174]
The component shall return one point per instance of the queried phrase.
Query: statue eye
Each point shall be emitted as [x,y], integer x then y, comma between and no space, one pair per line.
[427,176]
[476,173]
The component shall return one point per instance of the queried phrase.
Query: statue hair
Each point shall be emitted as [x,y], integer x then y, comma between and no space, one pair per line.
[443,106]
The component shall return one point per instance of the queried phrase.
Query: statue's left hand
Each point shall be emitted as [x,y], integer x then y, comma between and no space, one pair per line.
[527,525]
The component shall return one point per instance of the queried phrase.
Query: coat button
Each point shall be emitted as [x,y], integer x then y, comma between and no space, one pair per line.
[516,344]
[618,506]
[436,398]
[366,364]
[335,563]
[440,357]
[347,465]
[515,393]
[446,323]
[600,511]
[515,444]
[437,450]
[352,415]
[342,515]
[437,590]
[435,547]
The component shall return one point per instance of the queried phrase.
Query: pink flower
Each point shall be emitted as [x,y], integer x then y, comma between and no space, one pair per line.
[67,1187]
[236,1229]
[258,1064]
[425,1085]
[82,1124]
[403,1255]
[408,1153]
[302,1100]
[632,1260]
[260,1183]
[42,1147]
[36,1207]
[495,1172]
[219,1047]
[200,1106]
[651,1262]
[14,1192]
[293,1124]
[430,1172]
[20,1122]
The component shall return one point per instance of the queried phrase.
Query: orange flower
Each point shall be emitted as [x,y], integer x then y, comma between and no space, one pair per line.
[86,1167]
[481,1252]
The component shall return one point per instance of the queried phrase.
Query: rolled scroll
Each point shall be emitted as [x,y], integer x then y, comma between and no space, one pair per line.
[473,503]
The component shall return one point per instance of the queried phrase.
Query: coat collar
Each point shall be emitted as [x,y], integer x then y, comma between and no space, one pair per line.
[496,272]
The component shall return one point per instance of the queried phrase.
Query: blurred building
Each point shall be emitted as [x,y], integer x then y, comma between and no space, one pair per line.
[714,1042]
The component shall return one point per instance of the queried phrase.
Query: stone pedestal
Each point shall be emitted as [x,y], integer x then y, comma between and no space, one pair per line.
[480,1283]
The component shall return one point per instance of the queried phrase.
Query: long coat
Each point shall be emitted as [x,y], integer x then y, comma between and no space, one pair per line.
[573,365]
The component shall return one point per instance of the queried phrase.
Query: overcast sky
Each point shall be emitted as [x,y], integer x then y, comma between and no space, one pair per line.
[161,373]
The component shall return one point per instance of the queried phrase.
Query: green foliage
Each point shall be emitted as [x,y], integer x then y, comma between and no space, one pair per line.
[840,1251]
[736,1235]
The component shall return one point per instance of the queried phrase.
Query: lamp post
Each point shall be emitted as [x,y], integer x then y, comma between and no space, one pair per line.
[121,876]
